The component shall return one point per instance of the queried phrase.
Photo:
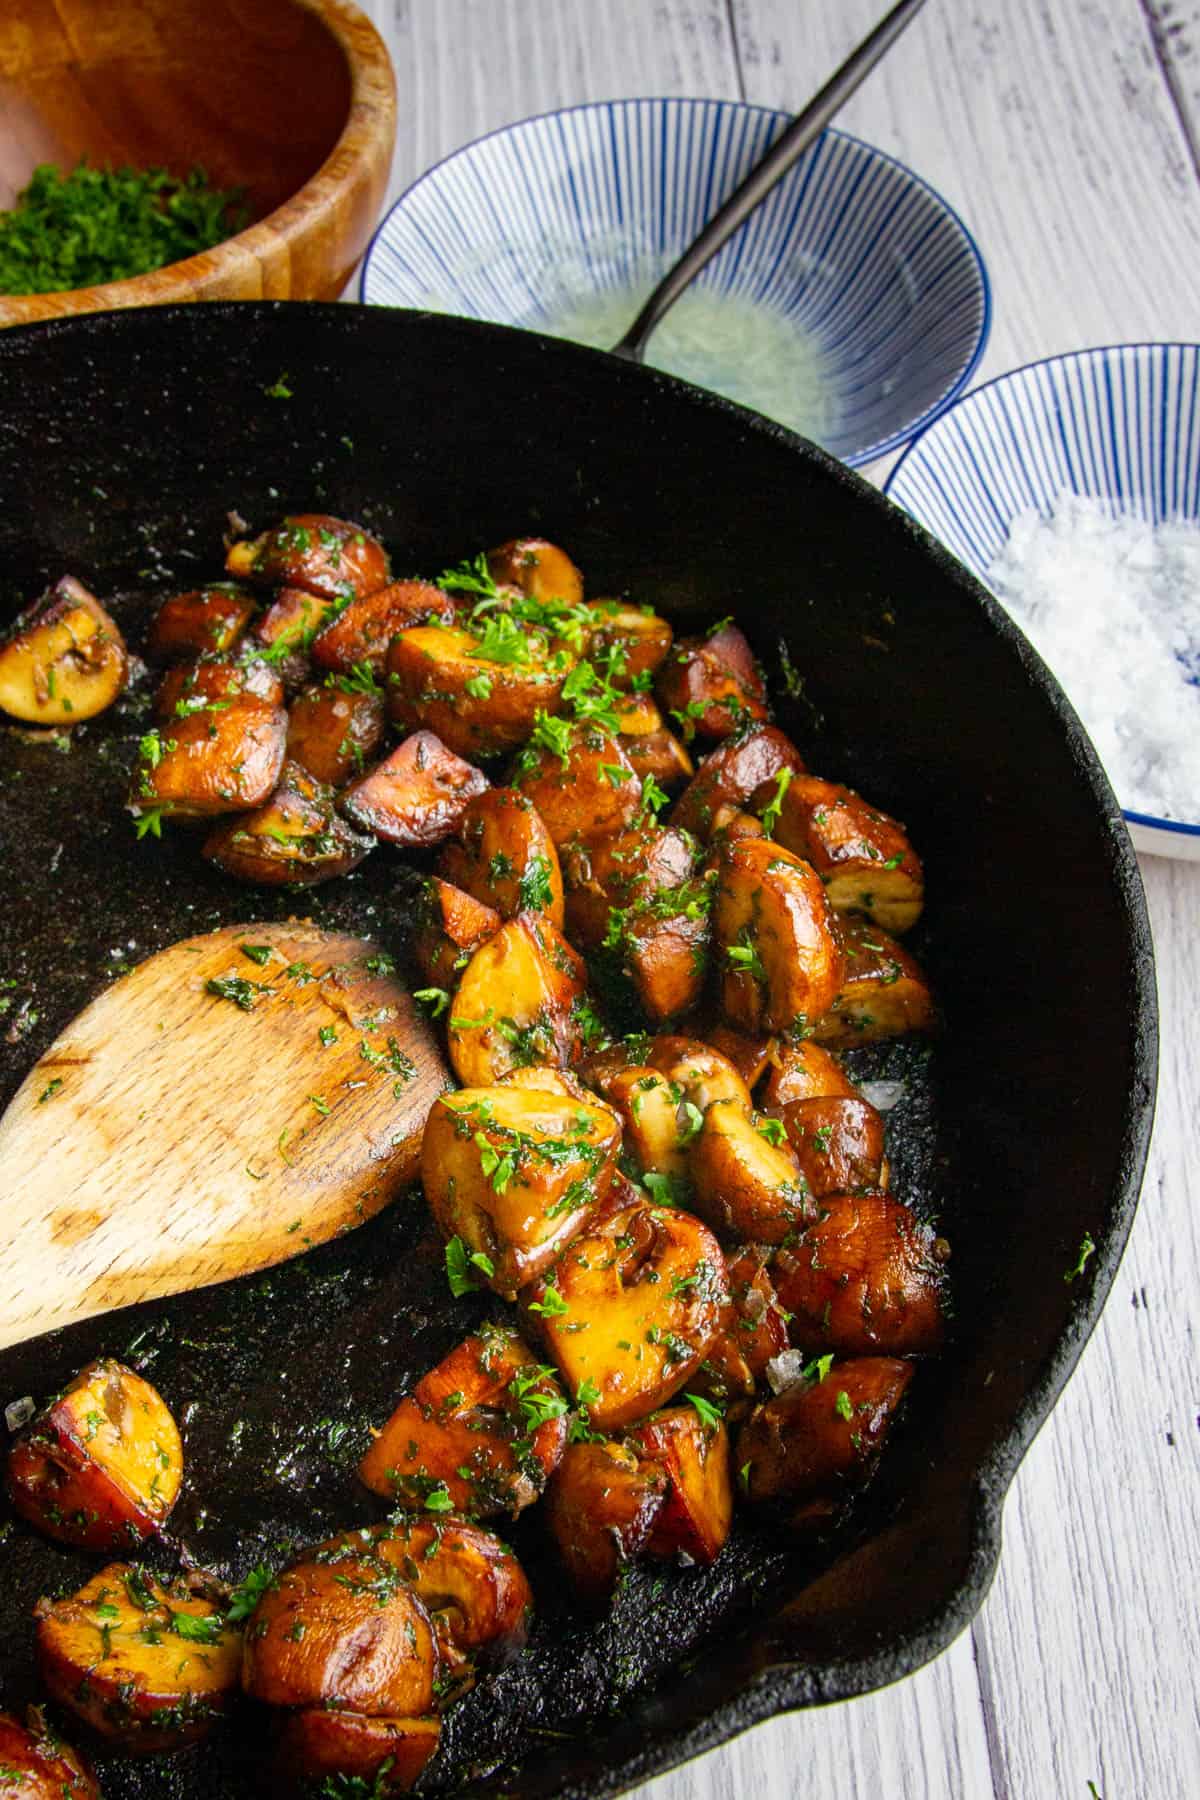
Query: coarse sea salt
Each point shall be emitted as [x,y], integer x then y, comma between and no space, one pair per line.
[1112,603]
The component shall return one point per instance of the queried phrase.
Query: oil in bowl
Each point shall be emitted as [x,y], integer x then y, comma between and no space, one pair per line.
[753,353]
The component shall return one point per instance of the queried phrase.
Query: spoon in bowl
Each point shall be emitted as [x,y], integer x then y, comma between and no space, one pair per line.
[804,129]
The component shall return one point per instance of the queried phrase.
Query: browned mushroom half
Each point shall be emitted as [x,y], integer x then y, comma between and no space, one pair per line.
[191,687]
[448,926]
[331,558]
[225,758]
[415,797]
[485,1429]
[864,857]
[336,726]
[102,1465]
[35,1763]
[505,857]
[295,840]
[601,1504]
[358,637]
[207,621]
[712,684]
[735,777]
[63,659]
[518,1003]
[147,1665]
[819,1440]
[537,568]
[631,1307]
[482,690]
[691,1445]
[867,1277]
[580,780]
[884,993]
[630,641]
[780,960]
[513,1174]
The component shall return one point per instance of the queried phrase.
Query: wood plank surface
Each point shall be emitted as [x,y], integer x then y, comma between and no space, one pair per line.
[1175,29]
[484,63]
[1066,135]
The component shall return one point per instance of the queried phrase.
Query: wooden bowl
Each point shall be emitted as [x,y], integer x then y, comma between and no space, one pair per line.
[294,101]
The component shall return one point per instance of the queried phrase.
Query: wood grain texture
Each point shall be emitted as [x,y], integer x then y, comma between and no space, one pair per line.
[1089,1642]
[466,66]
[924,1739]
[1055,132]
[1175,29]
[291,100]
[171,1137]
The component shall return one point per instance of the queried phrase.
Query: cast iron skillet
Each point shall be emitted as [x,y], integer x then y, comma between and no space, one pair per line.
[124,441]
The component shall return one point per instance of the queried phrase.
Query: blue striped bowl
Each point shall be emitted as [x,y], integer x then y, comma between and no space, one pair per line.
[1120,424]
[852,246]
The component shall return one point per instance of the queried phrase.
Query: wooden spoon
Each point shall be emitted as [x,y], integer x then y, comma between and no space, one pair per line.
[234,1100]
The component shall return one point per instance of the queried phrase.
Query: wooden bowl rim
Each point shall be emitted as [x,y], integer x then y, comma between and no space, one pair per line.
[371,114]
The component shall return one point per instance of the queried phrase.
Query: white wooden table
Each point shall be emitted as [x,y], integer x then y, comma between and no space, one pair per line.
[1067,133]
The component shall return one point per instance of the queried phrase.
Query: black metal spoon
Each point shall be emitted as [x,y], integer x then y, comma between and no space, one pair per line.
[804,129]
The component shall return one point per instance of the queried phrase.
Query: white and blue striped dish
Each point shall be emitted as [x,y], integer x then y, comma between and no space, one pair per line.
[851,246]
[1119,424]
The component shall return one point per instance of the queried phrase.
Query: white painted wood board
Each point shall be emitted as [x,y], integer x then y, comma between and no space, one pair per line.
[1065,132]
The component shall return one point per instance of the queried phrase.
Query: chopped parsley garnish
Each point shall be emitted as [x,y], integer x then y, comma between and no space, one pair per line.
[1087,1249]
[666,1190]
[360,680]
[244,994]
[654,798]
[710,1414]
[461,1265]
[502,641]
[552,735]
[247,1594]
[551,1305]
[791,681]
[148,821]
[499,1169]
[771,811]
[693,1123]
[92,226]
[539,1408]
[534,893]
[745,957]
[472,577]
[197,1630]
